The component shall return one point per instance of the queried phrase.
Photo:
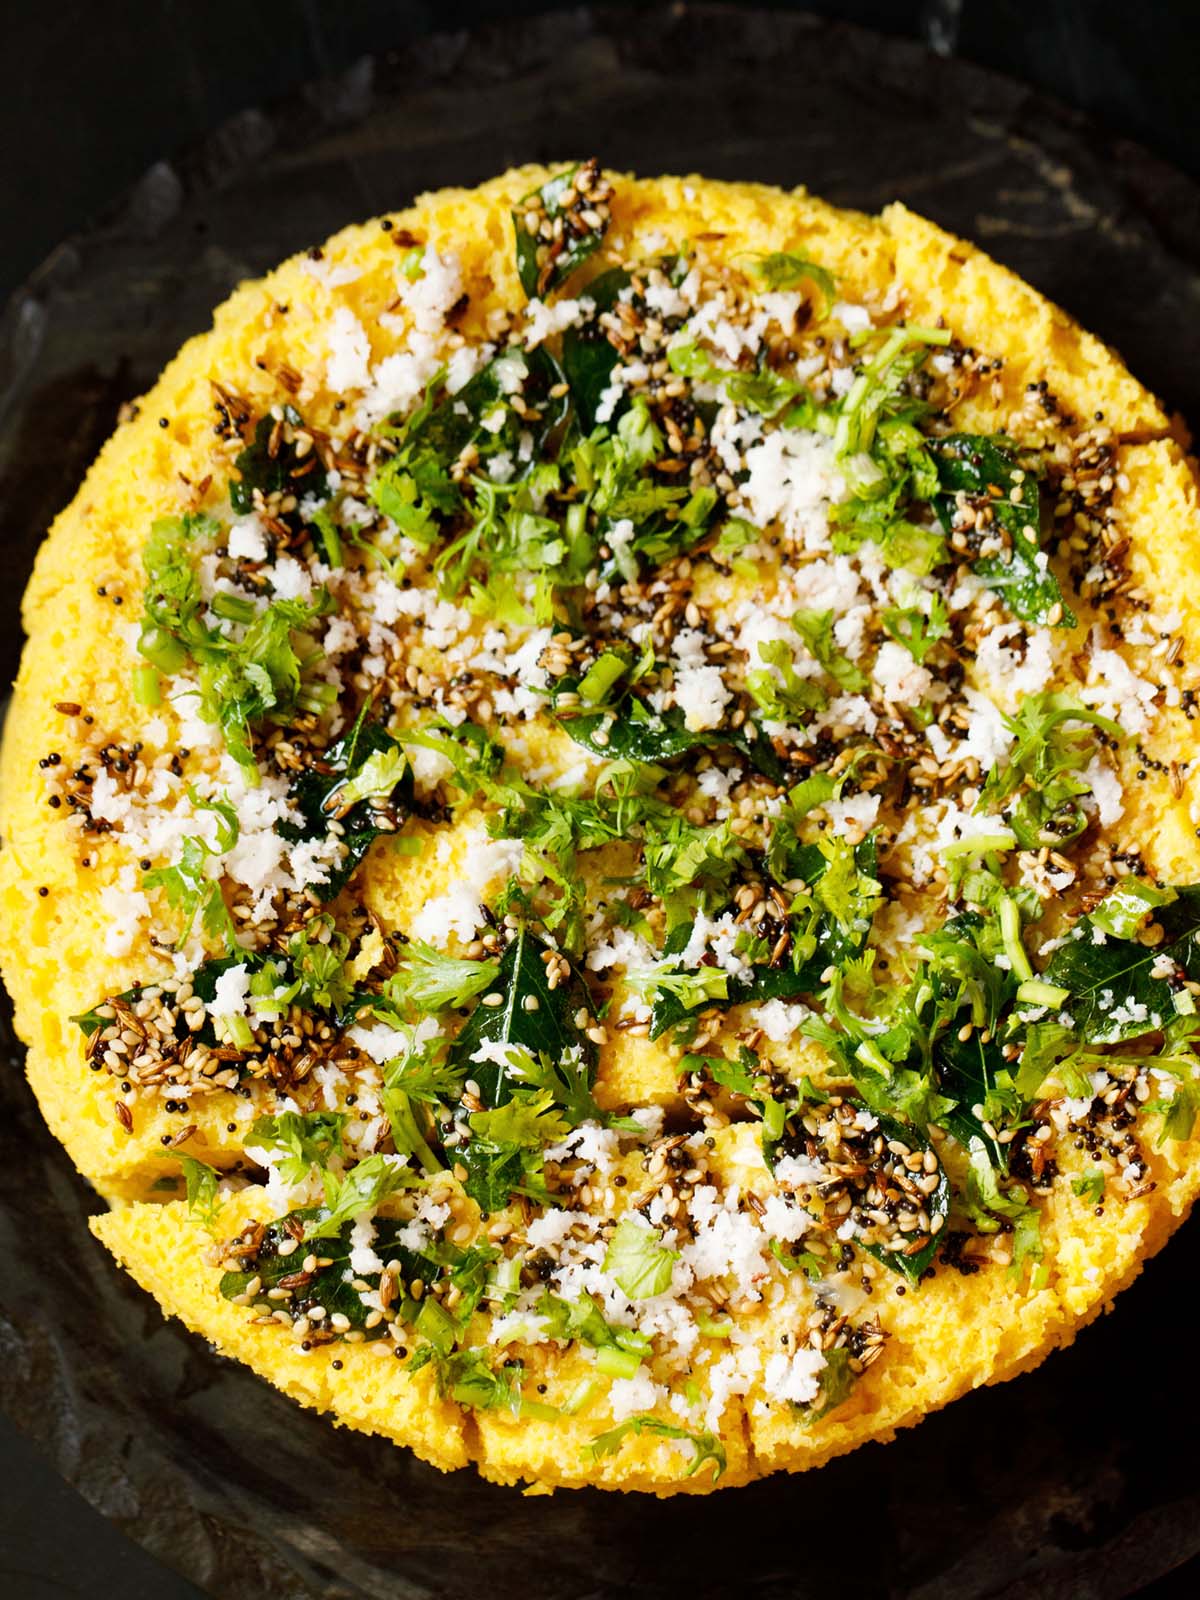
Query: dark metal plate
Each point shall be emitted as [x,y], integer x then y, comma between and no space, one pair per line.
[1058,1485]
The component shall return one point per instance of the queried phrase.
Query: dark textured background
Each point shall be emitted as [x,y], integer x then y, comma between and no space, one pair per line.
[96,90]
[96,94]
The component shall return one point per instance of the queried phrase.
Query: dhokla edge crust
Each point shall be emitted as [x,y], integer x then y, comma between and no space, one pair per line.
[746,1387]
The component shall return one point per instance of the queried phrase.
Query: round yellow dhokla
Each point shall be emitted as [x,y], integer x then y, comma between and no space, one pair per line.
[957,1332]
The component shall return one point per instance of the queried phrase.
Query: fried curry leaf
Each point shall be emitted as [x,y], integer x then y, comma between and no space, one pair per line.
[838,1378]
[90,1022]
[532,1018]
[278,1263]
[270,465]
[968,992]
[1113,993]
[633,731]
[970,1072]
[571,208]
[796,1141]
[588,358]
[497,1171]
[986,472]
[317,791]
[828,927]
[460,419]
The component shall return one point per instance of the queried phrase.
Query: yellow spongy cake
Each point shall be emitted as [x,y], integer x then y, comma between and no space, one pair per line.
[599,858]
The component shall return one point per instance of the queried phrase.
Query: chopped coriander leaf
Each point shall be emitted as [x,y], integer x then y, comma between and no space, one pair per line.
[529,1120]
[707,1448]
[468,1378]
[779,270]
[764,391]
[638,1260]
[476,758]
[246,672]
[425,980]
[299,1141]
[812,1266]
[192,892]
[479,529]
[582,1319]
[916,629]
[201,1183]
[874,432]
[318,953]
[987,1200]
[362,1189]
[827,923]
[688,988]
[504,1155]
[172,598]
[1089,1186]
[743,1075]
[736,535]
[413,501]
[782,695]
[1127,908]
[424,1071]
[816,629]
[1056,738]
[413,1083]
[567,1078]
[681,856]
[375,779]
[1178,1111]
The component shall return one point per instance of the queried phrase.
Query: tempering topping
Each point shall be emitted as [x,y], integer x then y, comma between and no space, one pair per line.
[752,729]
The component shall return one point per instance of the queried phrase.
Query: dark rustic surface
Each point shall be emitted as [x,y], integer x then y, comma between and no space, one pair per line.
[1048,1487]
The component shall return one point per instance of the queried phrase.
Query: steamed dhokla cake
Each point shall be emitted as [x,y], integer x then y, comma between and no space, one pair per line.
[599,859]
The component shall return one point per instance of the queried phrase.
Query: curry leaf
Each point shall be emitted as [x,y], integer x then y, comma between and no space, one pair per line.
[324,792]
[269,464]
[530,1015]
[1113,993]
[985,471]
[588,358]
[277,1261]
[565,220]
